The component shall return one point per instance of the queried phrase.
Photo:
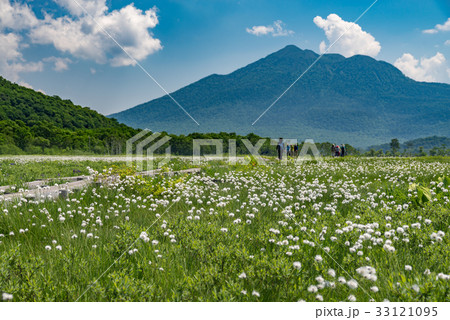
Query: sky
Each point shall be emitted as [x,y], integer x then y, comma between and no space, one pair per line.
[111,55]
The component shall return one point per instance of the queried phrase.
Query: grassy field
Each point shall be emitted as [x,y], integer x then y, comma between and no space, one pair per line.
[355,229]
[17,171]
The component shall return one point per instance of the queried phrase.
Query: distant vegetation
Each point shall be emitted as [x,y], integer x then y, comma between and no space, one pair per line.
[433,146]
[34,123]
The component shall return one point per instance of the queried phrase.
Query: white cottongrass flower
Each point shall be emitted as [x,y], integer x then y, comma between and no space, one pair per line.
[367,272]
[58,248]
[331,273]
[48,248]
[352,284]
[318,258]
[7,296]
[374,289]
[242,275]
[155,242]
[312,289]
[224,230]
[297,265]
[408,268]
[351,298]
[255,293]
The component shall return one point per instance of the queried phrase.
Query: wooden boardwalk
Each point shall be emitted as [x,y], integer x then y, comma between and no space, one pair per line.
[41,190]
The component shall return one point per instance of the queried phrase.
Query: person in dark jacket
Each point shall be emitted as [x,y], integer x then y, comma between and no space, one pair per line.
[280,148]
[343,150]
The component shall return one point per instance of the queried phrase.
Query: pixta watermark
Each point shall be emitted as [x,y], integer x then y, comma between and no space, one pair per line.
[145,147]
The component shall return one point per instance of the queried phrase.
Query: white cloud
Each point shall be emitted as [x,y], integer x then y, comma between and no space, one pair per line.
[16,16]
[75,33]
[276,30]
[352,39]
[83,38]
[439,27]
[11,59]
[25,84]
[59,64]
[432,69]
[92,7]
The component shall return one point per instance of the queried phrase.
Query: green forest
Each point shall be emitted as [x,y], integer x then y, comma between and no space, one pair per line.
[34,123]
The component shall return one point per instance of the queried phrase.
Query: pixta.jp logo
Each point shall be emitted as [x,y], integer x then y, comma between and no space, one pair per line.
[146,143]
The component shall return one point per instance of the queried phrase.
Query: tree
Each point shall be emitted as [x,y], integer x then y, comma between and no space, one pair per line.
[41,142]
[409,146]
[422,152]
[395,145]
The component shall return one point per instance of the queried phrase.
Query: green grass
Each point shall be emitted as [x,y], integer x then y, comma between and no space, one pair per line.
[16,172]
[295,214]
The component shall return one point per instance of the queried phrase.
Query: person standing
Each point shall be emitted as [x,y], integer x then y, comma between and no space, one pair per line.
[343,150]
[338,151]
[288,148]
[280,148]
[333,150]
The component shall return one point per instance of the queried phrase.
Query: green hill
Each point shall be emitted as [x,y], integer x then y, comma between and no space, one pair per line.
[356,100]
[432,145]
[31,121]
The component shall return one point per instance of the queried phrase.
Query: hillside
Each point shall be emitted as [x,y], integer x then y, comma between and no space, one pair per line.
[414,146]
[31,121]
[356,100]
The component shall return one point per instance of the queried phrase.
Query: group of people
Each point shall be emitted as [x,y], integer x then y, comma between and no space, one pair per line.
[338,151]
[291,149]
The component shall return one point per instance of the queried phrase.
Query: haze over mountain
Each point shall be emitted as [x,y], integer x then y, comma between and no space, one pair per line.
[356,100]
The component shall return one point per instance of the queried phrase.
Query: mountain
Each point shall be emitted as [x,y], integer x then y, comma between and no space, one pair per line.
[31,121]
[356,100]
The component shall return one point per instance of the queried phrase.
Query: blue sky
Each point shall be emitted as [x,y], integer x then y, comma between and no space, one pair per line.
[57,47]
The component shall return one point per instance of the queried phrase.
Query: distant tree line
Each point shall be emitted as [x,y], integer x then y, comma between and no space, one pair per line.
[414,148]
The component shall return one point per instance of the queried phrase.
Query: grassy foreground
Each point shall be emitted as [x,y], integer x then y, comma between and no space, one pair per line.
[339,230]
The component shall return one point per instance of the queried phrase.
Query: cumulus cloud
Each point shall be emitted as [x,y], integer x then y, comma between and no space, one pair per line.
[276,30]
[432,69]
[84,38]
[439,27]
[77,32]
[352,39]
[59,64]
[12,62]
[16,16]
[80,7]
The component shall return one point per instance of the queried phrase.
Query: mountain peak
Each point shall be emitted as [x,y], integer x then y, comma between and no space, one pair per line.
[292,51]
[368,101]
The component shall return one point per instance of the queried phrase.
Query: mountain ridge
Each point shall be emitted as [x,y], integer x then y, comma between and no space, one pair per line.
[357,100]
